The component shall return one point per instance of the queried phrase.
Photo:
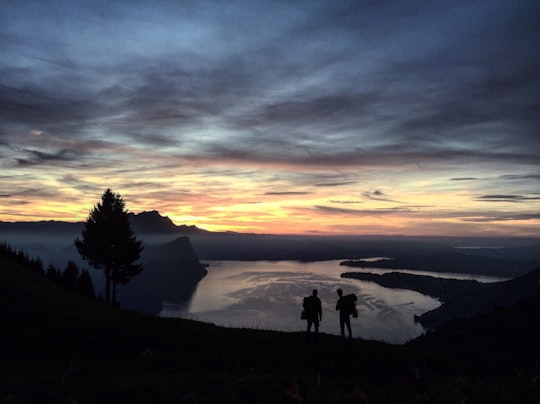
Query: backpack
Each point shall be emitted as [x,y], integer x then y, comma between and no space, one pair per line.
[305,304]
[350,304]
[308,304]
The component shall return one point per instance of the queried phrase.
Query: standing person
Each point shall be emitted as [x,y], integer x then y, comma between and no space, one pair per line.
[313,311]
[343,306]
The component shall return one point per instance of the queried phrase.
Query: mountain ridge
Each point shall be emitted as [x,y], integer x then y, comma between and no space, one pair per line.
[146,221]
[459,298]
[512,257]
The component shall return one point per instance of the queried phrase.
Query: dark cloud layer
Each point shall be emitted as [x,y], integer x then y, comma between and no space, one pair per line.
[508,198]
[435,90]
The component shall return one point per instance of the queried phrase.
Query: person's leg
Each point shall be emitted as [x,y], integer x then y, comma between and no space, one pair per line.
[348,322]
[308,329]
[316,324]
[342,326]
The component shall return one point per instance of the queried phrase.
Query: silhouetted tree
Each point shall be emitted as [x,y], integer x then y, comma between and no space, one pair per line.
[85,285]
[36,265]
[70,276]
[109,244]
[53,274]
[69,279]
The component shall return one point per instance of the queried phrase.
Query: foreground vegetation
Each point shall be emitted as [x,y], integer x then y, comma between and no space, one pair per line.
[57,347]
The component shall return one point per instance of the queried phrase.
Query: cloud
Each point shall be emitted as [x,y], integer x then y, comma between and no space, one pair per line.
[520,177]
[37,157]
[378,196]
[285,193]
[252,106]
[345,202]
[334,184]
[434,214]
[502,217]
[361,212]
[507,198]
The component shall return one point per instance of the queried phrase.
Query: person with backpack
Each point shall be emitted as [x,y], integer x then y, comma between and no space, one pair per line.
[312,313]
[346,306]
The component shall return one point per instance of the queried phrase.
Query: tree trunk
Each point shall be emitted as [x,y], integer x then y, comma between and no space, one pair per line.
[107,287]
[113,293]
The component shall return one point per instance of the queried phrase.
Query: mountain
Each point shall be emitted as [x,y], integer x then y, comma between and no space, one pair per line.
[485,297]
[44,226]
[501,338]
[153,223]
[496,256]
[171,269]
[145,222]
[52,240]
[460,298]
[447,261]
[171,274]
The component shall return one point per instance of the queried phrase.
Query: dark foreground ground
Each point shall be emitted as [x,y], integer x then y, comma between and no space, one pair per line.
[58,348]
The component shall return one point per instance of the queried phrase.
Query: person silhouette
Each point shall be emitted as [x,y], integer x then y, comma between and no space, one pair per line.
[313,312]
[343,307]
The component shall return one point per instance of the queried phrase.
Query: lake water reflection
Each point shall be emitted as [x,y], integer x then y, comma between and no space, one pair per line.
[268,295]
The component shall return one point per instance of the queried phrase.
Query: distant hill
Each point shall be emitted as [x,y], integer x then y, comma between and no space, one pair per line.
[446,261]
[483,298]
[504,337]
[153,223]
[171,270]
[145,222]
[510,257]
[461,298]
[53,240]
[48,226]
[171,274]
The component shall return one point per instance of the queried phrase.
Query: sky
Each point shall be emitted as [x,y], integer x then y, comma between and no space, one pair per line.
[283,117]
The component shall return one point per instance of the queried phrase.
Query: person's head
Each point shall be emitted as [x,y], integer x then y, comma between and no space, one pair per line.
[340,292]
[315,292]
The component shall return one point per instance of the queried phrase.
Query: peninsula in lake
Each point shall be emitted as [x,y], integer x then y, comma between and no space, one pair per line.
[486,260]
[459,298]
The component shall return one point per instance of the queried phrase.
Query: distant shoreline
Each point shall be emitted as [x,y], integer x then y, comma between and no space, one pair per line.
[460,298]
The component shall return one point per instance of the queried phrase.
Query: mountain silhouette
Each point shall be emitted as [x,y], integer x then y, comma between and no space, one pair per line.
[514,258]
[483,298]
[447,261]
[460,298]
[40,227]
[171,274]
[145,222]
[171,269]
[153,223]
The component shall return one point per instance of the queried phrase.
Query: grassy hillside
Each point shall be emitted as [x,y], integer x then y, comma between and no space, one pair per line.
[59,348]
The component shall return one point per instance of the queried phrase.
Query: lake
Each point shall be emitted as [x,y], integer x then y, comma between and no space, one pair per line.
[268,295]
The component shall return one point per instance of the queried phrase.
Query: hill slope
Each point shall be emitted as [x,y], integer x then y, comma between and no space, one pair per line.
[461,298]
[57,347]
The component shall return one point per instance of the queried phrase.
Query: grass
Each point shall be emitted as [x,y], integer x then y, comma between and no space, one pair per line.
[59,348]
